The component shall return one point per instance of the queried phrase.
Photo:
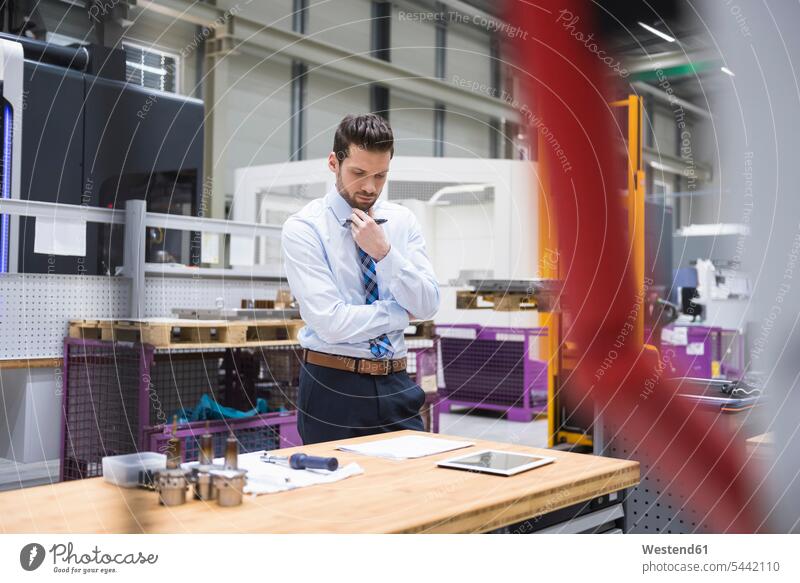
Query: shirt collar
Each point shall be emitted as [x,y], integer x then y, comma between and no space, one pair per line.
[342,210]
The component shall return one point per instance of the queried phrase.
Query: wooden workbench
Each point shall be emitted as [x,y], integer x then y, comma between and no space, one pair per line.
[391,496]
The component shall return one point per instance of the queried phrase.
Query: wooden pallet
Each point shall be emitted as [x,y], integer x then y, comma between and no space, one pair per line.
[422,329]
[177,333]
[506,302]
[268,330]
[160,332]
[87,329]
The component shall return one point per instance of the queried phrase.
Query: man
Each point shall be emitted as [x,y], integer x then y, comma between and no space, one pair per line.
[359,271]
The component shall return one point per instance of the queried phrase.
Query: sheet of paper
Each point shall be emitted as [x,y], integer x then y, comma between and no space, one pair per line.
[680,335]
[264,478]
[696,349]
[60,237]
[261,480]
[406,447]
[243,251]
[209,248]
[428,383]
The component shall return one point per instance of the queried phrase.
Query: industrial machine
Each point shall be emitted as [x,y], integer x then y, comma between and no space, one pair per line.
[11,68]
[82,135]
[476,217]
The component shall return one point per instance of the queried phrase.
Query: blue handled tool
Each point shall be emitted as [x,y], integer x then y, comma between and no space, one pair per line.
[301,461]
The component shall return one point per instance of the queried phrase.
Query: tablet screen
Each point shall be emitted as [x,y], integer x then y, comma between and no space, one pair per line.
[497,460]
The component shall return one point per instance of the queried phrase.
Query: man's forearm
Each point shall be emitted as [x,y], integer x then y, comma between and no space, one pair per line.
[355,323]
[414,289]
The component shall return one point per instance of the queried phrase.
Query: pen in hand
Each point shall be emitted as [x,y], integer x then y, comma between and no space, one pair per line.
[349,222]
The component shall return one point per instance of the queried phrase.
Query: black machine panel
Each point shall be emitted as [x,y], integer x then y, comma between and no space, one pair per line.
[100,142]
[145,145]
[52,156]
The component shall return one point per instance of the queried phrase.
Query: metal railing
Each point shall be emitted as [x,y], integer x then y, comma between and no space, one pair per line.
[136,220]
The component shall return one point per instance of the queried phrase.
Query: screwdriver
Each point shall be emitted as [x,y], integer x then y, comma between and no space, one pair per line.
[301,461]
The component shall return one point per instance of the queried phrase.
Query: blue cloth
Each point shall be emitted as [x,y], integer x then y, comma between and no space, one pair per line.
[207,409]
[322,267]
[381,347]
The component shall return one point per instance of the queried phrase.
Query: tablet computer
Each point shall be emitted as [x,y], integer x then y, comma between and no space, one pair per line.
[492,461]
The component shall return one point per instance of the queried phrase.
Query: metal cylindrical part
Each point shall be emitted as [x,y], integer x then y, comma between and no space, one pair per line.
[231,452]
[230,486]
[174,454]
[204,488]
[171,485]
[206,448]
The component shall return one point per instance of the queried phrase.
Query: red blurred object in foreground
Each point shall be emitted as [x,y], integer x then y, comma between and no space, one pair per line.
[568,83]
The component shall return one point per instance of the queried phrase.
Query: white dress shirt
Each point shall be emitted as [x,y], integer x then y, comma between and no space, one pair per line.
[322,266]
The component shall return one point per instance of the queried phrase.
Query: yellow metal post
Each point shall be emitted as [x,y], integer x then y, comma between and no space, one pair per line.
[549,351]
[636,204]
[549,265]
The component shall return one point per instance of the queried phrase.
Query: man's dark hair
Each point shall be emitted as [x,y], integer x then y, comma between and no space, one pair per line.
[368,131]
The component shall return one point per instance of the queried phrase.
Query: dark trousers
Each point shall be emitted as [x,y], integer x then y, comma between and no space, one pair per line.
[337,404]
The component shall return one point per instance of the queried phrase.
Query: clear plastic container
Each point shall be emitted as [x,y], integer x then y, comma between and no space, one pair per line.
[123,470]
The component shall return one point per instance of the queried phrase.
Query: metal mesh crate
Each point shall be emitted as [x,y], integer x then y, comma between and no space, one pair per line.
[177,380]
[262,432]
[494,368]
[100,409]
[118,395]
[280,398]
[271,373]
[283,366]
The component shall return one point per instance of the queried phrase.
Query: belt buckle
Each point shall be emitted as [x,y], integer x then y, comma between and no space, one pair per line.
[385,369]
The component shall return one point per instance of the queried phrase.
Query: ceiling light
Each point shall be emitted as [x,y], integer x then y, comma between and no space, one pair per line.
[727,71]
[657,32]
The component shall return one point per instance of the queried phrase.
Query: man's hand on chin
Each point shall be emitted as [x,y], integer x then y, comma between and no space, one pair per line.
[369,235]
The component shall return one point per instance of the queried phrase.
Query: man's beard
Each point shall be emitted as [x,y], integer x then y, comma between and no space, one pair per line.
[351,198]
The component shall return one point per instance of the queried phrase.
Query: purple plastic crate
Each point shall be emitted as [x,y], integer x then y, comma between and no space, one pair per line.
[117,395]
[493,368]
[704,345]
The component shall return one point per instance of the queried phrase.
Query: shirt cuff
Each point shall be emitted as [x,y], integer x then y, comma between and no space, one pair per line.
[398,317]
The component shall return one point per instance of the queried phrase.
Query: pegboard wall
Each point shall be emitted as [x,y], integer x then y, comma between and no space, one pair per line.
[163,294]
[651,507]
[35,309]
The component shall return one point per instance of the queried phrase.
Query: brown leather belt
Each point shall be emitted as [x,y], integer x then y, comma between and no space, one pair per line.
[352,364]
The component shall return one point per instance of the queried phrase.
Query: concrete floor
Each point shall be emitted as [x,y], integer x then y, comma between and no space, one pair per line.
[491,426]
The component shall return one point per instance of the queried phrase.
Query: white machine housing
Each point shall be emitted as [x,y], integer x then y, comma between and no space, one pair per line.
[479,217]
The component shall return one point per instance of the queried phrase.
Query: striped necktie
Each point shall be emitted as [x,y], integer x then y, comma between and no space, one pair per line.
[380,347]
